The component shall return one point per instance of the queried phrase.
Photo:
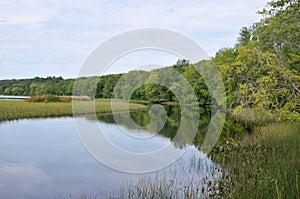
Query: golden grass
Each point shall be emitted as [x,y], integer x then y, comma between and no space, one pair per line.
[11,110]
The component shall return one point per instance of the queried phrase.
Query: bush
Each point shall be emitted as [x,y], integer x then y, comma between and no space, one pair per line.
[54,98]
[38,98]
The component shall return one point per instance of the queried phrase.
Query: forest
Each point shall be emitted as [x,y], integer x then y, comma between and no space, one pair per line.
[261,71]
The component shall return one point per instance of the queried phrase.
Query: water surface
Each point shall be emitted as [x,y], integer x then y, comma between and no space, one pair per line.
[44,158]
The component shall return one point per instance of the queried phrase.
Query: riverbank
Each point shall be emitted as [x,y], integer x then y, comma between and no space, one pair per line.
[12,110]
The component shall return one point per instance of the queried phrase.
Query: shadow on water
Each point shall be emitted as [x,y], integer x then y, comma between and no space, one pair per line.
[231,128]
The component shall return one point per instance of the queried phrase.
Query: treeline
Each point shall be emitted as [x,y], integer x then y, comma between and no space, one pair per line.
[37,86]
[161,84]
[107,87]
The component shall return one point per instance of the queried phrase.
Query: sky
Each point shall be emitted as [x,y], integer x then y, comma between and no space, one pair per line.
[54,38]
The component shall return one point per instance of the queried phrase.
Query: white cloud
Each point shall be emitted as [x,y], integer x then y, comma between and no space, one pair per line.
[62,33]
[24,12]
[14,176]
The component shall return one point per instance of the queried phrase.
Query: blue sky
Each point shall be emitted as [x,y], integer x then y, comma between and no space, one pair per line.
[52,37]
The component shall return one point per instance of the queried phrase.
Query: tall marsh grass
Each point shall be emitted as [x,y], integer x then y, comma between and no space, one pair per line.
[195,179]
[264,164]
[252,117]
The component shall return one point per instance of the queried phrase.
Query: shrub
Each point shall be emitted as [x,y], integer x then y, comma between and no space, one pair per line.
[54,98]
[38,98]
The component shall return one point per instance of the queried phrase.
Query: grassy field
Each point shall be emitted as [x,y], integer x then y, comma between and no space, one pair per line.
[11,110]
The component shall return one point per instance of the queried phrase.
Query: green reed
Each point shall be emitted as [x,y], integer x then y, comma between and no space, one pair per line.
[264,164]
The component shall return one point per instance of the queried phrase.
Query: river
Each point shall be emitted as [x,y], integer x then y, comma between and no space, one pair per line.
[13,97]
[44,158]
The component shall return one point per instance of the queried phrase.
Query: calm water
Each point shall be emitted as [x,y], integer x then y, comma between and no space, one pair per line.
[10,97]
[44,158]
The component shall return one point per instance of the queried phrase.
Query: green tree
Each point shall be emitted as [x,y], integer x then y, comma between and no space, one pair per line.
[279,32]
[245,36]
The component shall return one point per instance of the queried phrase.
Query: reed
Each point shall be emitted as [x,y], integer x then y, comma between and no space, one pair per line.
[180,180]
[264,164]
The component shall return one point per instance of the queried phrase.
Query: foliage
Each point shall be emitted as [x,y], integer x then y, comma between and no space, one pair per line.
[37,86]
[113,86]
[160,84]
[279,32]
[262,70]
[54,98]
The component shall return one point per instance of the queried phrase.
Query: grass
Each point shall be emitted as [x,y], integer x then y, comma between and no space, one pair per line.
[252,117]
[12,110]
[264,164]
[180,180]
